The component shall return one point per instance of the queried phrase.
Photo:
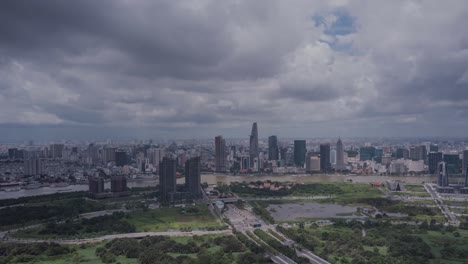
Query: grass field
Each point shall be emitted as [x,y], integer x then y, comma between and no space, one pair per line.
[415,188]
[164,219]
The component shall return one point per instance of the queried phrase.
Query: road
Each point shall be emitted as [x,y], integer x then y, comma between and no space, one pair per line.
[128,235]
[443,207]
[312,257]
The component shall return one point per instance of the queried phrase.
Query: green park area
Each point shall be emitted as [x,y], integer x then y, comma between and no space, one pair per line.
[380,242]
[156,249]
[163,219]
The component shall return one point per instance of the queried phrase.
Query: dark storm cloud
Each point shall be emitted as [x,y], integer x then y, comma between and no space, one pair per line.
[207,65]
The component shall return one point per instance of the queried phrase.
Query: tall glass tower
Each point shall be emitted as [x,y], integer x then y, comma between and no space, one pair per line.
[253,150]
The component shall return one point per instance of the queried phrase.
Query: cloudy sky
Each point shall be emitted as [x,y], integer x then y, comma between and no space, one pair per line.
[194,69]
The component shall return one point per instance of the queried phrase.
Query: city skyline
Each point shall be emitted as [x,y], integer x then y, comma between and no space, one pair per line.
[331,68]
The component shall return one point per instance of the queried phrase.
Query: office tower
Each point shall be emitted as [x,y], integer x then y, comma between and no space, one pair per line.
[120,158]
[283,152]
[434,159]
[339,156]
[325,164]
[333,156]
[433,148]
[453,163]
[314,164]
[253,149]
[308,165]
[192,177]
[57,150]
[366,153]
[466,176]
[108,155]
[299,152]
[465,160]
[167,179]
[443,176]
[402,153]
[220,154]
[245,162]
[273,150]
[33,167]
[118,184]
[96,184]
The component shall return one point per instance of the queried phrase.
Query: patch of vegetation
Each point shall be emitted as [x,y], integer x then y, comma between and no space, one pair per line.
[285,250]
[42,198]
[344,242]
[58,210]
[101,225]
[21,252]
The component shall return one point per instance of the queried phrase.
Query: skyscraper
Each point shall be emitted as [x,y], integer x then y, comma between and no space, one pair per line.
[273,151]
[299,152]
[465,160]
[167,179]
[325,164]
[192,177]
[339,156]
[220,154]
[367,153]
[253,150]
[120,158]
[443,177]
[434,159]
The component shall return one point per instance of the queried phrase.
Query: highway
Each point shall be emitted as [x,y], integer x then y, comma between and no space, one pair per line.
[443,207]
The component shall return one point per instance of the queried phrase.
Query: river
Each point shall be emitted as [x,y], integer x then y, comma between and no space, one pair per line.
[227,179]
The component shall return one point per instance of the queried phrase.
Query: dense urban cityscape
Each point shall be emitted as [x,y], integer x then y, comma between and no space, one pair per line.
[427,176]
[233,132]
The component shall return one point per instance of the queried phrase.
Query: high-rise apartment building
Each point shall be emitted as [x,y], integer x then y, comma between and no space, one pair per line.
[299,152]
[339,156]
[33,167]
[220,154]
[253,147]
[118,184]
[167,179]
[273,150]
[192,177]
[57,150]
[325,163]
[108,155]
[96,184]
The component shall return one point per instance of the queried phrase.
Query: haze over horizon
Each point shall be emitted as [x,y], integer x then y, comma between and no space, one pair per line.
[172,69]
